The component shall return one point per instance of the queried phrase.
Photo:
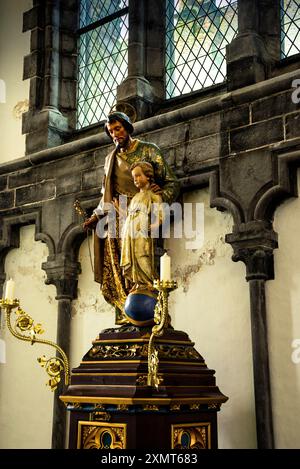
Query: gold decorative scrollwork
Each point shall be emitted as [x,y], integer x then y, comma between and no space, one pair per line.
[53,367]
[99,407]
[177,352]
[100,416]
[118,351]
[191,436]
[214,406]
[76,405]
[142,380]
[162,320]
[122,407]
[150,407]
[175,407]
[98,435]
[24,323]
[194,406]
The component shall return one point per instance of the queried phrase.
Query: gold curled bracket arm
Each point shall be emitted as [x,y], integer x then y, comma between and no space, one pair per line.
[162,321]
[24,323]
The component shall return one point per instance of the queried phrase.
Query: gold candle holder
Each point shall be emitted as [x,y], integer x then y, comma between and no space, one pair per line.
[54,366]
[162,320]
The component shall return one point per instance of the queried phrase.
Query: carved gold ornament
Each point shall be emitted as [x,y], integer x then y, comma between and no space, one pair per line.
[191,436]
[54,366]
[98,435]
[118,351]
[101,416]
[162,321]
[186,352]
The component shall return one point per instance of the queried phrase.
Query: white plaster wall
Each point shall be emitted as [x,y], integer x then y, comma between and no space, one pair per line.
[25,402]
[14,45]
[90,313]
[283,307]
[212,306]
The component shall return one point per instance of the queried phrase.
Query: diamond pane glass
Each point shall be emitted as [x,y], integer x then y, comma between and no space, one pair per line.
[197,34]
[290,27]
[94,10]
[103,65]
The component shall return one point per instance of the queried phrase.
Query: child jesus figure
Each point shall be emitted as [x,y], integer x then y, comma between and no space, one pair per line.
[137,254]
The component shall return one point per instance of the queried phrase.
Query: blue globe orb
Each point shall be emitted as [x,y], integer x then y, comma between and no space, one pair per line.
[139,308]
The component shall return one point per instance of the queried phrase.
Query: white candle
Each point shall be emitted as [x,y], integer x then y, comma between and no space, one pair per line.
[9,290]
[165,268]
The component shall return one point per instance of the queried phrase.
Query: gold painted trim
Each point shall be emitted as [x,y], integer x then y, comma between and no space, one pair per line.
[190,386]
[167,341]
[137,374]
[132,374]
[104,374]
[192,424]
[107,385]
[133,384]
[82,423]
[142,400]
[144,361]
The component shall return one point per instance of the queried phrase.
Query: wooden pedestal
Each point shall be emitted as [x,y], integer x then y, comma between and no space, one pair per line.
[112,407]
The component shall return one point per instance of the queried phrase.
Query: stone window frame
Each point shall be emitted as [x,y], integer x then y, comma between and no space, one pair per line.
[94,104]
[51,65]
[283,13]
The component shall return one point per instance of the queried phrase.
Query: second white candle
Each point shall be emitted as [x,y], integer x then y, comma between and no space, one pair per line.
[165,268]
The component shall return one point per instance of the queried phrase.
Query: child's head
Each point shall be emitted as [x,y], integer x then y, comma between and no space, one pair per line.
[142,173]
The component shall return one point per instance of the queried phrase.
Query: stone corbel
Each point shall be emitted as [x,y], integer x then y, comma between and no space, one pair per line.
[253,243]
[63,273]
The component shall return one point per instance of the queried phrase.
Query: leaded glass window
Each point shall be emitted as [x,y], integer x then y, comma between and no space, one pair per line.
[102,57]
[290,27]
[197,34]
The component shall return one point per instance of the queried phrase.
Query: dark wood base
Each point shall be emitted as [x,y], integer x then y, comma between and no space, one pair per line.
[112,407]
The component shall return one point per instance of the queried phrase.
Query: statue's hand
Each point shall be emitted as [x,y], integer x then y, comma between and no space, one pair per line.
[156,189]
[90,223]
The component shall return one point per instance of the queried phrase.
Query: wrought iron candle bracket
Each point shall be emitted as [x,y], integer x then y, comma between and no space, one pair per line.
[54,366]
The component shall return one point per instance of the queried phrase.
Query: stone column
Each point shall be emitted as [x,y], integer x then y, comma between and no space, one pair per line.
[253,51]
[254,246]
[62,273]
[2,280]
[46,66]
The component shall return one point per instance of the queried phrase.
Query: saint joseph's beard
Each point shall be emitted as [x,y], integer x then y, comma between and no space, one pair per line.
[122,144]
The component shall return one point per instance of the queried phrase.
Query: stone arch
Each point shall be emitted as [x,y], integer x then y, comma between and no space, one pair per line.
[11,236]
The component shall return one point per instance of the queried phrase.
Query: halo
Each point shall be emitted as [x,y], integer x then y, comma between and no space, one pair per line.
[127,108]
